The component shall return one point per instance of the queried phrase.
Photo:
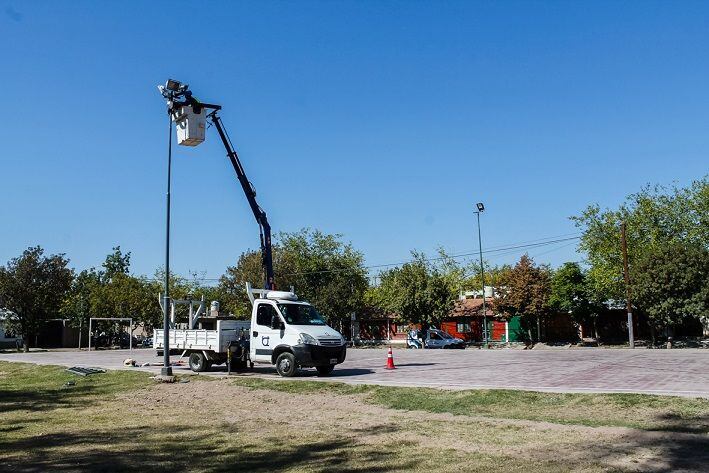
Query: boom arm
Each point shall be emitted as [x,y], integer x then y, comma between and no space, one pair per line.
[180,91]
[259,214]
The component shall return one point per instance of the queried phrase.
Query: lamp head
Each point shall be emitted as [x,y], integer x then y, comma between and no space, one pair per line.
[174,85]
[480,206]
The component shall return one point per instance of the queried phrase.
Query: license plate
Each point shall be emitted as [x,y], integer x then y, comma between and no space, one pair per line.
[333,361]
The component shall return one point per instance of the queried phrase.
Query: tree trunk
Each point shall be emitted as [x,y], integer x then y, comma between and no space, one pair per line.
[26,342]
[539,328]
[652,334]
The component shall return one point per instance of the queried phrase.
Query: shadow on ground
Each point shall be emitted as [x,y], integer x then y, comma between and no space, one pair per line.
[302,373]
[182,448]
[678,446]
[341,373]
[45,399]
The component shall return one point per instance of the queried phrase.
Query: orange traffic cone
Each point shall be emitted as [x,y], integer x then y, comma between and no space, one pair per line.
[390,360]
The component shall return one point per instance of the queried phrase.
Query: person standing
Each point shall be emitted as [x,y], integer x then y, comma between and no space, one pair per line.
[423,334]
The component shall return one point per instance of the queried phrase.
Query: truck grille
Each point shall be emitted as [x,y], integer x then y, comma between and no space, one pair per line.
[330,342]
[327,353]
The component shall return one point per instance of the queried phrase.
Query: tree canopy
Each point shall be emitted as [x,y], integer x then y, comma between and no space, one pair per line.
[321,268]
[113,292]
[570,293]
[525,291]
[672,283]
[655,216]
[660,222]
[420,291]
[32,288]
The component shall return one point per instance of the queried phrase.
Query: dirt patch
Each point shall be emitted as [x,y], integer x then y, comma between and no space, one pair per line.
[261,414]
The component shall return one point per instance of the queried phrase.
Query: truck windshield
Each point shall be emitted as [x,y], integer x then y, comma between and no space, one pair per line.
[301,314]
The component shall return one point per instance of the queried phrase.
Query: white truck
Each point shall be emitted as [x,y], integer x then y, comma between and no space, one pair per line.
[283,331]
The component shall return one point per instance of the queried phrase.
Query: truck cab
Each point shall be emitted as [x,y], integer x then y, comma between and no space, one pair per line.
[291,334]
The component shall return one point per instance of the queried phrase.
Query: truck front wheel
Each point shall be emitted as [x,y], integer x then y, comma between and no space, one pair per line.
[198,362]
[285,364]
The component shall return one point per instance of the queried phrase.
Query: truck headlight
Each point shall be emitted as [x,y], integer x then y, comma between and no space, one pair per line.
[308,339]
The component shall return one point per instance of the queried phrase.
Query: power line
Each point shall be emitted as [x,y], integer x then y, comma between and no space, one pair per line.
[514,252]
[498,252]
[475,253]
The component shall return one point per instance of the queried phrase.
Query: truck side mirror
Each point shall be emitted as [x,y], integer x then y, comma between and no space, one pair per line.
[275,322]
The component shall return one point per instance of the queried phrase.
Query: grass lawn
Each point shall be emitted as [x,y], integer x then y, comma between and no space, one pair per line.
[122,420]
[639,411]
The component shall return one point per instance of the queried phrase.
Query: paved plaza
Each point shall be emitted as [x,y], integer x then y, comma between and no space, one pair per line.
[672,372]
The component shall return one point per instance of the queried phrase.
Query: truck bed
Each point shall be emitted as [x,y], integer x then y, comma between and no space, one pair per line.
[198,339]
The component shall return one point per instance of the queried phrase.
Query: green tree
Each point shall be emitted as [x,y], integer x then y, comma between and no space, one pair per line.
[321,268]
[32,288]
[113,292]
[232,284]
[494,276]
[420,291]
[116,263]
[525,292]
[77,305]
[128,296]
[672,283]
[570,294]
[654,217]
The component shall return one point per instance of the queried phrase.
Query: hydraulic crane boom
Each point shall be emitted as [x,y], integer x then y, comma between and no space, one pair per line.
[259,214]
[174,91]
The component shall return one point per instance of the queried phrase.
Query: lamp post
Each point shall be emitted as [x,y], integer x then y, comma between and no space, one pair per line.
[481,208]
[170,92]
[166,368]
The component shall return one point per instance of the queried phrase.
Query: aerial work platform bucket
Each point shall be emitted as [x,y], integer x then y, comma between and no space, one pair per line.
[190,125]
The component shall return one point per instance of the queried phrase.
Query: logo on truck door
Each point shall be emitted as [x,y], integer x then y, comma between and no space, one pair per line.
[265,341]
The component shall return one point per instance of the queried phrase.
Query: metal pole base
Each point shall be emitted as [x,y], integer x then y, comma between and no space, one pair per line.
[167,371]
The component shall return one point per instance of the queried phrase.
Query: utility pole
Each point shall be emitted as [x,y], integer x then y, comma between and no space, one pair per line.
[166,368]
[626,273]
[481,208]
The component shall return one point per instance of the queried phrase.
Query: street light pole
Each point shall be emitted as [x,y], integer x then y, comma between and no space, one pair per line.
[481,208]
[167,369]
[626,275]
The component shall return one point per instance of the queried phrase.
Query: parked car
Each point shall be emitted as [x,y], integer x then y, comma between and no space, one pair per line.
[434,339]
[440,339]
[148,342]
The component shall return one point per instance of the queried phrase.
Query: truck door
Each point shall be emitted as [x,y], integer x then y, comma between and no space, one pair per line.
[263,338]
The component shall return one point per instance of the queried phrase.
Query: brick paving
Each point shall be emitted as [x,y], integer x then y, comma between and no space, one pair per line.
[681,372]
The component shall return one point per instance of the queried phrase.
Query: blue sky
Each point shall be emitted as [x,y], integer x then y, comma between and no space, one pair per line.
[382,121]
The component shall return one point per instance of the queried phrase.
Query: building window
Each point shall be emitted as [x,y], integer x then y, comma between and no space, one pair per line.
[401,328]
[463,327]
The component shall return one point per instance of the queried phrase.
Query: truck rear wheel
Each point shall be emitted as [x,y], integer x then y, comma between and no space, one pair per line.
[325,370]
[285,364]
[198,362]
